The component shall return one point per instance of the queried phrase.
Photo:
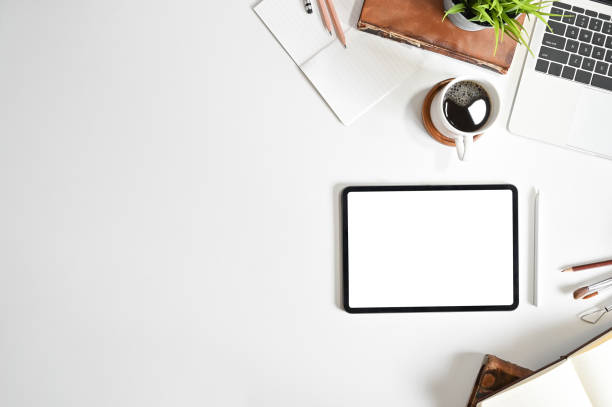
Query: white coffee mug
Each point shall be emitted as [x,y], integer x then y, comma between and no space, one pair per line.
[463,140]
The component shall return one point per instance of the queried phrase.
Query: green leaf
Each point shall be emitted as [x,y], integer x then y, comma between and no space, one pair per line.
[457,8]
[496,28]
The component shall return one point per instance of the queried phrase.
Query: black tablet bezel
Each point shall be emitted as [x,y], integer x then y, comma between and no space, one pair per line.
[462,308]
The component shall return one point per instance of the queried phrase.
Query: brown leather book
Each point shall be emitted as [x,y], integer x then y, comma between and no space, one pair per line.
[593,343]
[495,374]
[419,23]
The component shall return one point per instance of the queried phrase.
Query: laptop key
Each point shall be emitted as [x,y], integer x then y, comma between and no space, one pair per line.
[553,54]
[575,60]
[571,46]
[553,41]
[607,28]
[568,72]
[588,64]
[583,76]
[558,11]
[609,42]
[598,53]
[555,69]
[603,82]
[541,66]
[591,13]
[561,5]
[557,28]
[598,39]
[610,70]
[578,9]
[585,49]
[601,68]
[595,24]
[585,35]
[609,56]
[604,16]
[572,32]
[569,17]
[582,21]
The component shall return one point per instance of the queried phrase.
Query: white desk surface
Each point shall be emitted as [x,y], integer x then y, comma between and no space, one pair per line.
[169,220]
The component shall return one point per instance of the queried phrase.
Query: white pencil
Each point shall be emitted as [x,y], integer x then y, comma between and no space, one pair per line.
[536,227]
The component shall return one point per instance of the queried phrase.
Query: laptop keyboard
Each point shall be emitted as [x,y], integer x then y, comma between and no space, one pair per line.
[579,48]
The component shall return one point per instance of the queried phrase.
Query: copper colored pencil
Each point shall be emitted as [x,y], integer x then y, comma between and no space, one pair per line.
[588,266]
[325,15]
[336,21]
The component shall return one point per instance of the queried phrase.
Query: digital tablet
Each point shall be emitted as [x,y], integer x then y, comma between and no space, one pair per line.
[430,248]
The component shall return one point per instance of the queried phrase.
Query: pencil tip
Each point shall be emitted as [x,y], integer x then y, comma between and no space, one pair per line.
[330,33]
[344,46]
[567,269]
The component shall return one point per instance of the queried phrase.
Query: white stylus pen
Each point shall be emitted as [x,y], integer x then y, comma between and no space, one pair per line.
[536,226]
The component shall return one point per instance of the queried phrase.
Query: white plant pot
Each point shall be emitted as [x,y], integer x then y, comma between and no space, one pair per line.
[460,21]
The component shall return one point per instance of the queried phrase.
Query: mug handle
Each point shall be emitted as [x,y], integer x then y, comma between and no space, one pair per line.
[463,144]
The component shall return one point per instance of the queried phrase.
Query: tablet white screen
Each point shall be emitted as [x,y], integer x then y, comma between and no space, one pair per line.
[430,248]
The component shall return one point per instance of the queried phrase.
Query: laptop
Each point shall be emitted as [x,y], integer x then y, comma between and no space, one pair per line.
[565,92]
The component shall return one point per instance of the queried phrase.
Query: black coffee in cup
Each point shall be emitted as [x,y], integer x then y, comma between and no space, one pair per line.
[467,106]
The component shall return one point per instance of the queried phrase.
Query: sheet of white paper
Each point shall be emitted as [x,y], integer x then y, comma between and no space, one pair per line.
[430,248]
[350,80]
[558,387]
[302,34]
[354,79]
[593,368]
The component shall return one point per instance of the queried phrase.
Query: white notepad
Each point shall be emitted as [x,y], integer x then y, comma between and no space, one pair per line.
[351,80]
[442,248]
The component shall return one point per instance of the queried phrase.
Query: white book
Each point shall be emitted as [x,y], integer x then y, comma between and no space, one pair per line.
[351,80]
[580,380]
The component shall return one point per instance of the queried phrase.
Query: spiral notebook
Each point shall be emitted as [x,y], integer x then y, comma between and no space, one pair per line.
[351,80]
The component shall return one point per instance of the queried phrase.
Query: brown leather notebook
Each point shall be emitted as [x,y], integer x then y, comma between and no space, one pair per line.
[593,343]
[495,374]
[419,23]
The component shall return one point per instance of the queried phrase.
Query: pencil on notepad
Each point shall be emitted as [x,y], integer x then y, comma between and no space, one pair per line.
[336,21]
[588,266]
[325,15]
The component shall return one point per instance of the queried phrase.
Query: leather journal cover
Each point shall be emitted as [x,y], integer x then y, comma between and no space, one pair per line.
[419,23]
[495,374]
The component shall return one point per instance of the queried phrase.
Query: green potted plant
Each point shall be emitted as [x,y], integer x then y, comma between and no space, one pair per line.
[501,15]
